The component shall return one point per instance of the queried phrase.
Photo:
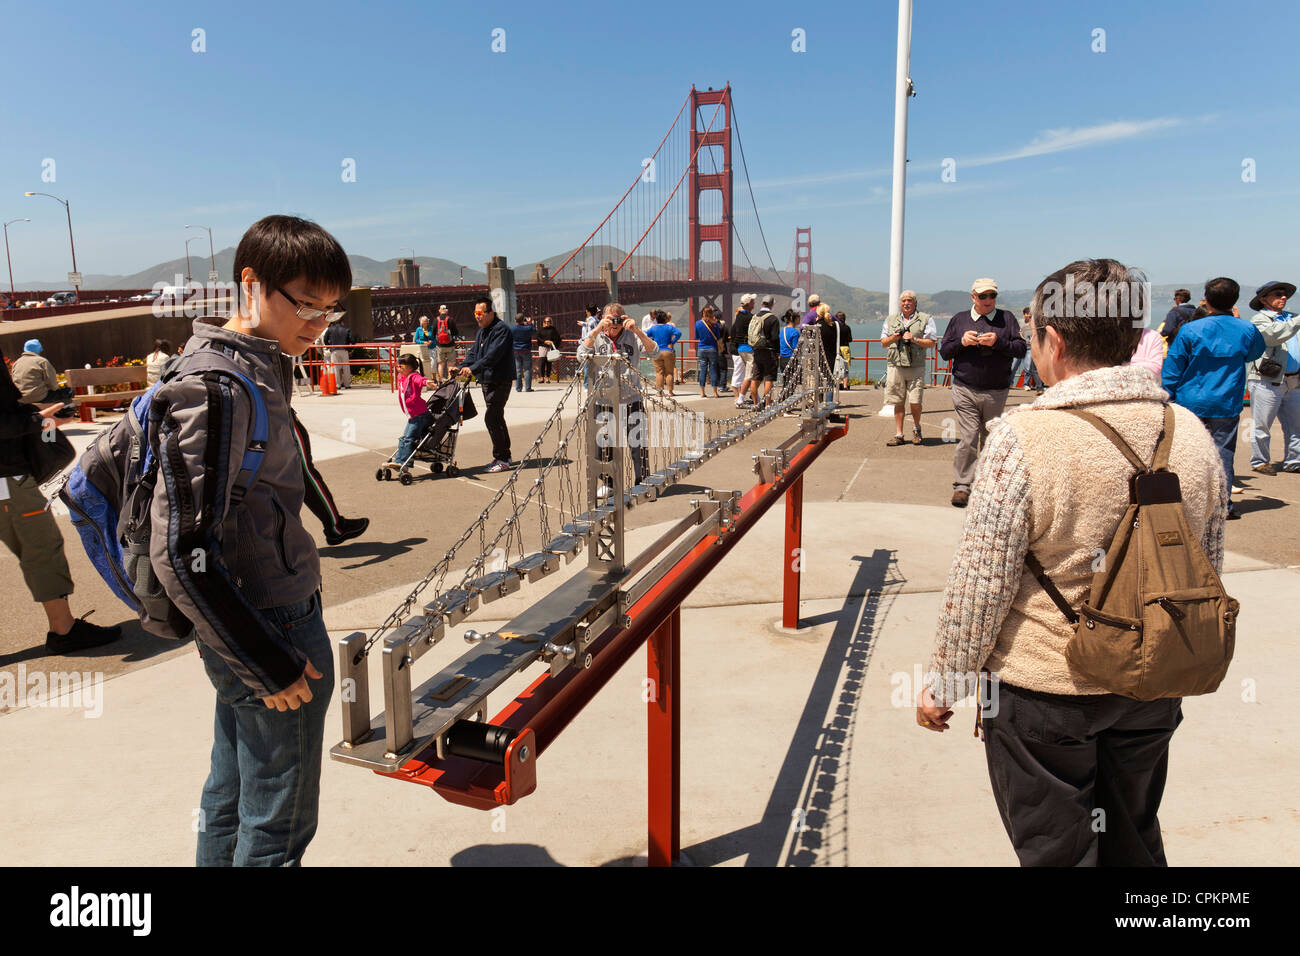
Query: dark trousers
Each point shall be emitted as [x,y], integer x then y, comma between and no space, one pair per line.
[316,494]
[494,417]
[1078,779]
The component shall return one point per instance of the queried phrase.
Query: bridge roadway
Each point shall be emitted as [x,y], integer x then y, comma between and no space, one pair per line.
[775,724]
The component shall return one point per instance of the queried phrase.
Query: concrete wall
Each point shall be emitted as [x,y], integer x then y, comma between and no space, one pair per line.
[71,343]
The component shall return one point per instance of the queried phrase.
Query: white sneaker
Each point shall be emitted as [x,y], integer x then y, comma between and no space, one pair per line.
[1237,489]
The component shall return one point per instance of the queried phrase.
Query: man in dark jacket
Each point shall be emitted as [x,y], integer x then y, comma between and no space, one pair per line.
[981,343]
[338,337]
[491,359]
[524,336]
[765,353]
[1183,311]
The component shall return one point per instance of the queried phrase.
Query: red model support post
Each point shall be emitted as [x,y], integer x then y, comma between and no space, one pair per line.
[793,554]
[665,740]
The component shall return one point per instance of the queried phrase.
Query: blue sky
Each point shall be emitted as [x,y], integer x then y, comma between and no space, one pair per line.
[1060,152]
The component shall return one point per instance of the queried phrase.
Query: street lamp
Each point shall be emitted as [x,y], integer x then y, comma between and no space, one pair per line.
[212,258]
[7,259]
[76,286]
[188,279]
[462,275]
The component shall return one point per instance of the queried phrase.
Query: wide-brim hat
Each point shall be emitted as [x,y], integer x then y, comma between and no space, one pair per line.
[1256,304]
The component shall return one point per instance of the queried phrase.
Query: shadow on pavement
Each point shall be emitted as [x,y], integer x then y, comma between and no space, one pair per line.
[378,551]
[809,802]
[135,645]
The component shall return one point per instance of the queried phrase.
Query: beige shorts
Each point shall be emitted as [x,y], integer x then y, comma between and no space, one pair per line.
[664,361]
[446,354]
[903,383]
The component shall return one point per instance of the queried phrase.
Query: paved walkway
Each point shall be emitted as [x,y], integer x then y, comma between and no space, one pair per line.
[797,748]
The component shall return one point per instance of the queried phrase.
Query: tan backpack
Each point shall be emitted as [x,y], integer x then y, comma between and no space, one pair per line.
[1158,622]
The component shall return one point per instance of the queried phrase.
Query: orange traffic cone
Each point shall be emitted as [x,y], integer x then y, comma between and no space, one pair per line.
[328,384]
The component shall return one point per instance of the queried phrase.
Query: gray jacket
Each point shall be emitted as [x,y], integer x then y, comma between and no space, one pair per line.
[224,564]
[1276,330]
[629,345]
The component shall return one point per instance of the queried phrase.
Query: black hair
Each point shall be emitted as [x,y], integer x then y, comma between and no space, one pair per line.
[412,362]
[1182,296]
[1221,294]
[485,300]
[593,310]
[280,249]
[162,345]
[660,316]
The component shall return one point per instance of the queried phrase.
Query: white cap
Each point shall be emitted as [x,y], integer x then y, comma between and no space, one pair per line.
[748,298]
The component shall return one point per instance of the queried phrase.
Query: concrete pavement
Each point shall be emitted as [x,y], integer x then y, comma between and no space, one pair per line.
[798,749]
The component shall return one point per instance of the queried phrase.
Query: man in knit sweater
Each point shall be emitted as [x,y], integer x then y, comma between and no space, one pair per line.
[981,343]
[1077,772]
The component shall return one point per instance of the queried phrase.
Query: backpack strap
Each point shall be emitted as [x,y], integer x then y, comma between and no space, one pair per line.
[1159,463]
[1165,442]
[1114,437]
[1053,592]
[220,359]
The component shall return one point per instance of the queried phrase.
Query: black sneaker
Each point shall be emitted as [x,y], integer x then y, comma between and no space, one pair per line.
[82,636]
[348,528]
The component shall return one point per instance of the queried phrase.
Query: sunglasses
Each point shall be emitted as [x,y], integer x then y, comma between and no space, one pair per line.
[313,315]
[987,295]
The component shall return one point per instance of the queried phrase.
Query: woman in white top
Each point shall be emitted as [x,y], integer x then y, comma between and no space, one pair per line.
[153,363]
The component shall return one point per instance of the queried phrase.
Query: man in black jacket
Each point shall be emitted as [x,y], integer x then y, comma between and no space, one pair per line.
[981,343]
[491,359]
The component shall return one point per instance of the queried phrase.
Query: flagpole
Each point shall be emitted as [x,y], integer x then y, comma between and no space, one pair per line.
[902,90]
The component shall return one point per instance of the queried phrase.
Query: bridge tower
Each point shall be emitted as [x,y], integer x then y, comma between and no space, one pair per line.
[720,232]
[803,274]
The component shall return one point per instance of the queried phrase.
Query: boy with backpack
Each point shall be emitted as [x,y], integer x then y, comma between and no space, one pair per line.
[444,343]
[231,553]
[1074,496]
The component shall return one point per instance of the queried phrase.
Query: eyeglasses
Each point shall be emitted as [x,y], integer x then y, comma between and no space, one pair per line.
[313,315]
[987,295]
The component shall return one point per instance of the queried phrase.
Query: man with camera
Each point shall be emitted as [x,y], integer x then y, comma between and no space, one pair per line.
[907,333]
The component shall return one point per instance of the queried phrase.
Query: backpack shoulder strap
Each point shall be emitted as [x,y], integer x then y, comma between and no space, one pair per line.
[1114,437]
[1048,585]
[220,359]
[1165,442]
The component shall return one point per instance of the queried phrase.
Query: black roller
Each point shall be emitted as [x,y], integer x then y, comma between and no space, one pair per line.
[478,741]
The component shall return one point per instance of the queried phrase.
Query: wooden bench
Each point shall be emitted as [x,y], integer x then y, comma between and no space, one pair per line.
[82,378]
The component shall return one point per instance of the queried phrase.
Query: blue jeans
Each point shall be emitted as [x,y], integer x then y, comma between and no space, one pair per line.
[710,368]
[523,371]
[260,803]
[415,429]
[1224,433]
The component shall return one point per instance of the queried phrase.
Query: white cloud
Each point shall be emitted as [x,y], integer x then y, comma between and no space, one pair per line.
[1061,140]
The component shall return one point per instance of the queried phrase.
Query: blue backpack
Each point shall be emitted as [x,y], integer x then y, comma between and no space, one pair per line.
[110,492]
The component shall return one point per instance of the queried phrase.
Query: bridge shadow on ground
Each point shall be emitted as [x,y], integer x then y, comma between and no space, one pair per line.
[805,822]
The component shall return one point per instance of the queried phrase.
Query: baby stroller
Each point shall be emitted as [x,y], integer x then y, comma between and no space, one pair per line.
[449,404]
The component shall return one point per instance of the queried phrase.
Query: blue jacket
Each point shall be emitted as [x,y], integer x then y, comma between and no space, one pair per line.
[709,339]
[665,335]
[1205,370]
[492,356]
[523,336]
[789,340]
